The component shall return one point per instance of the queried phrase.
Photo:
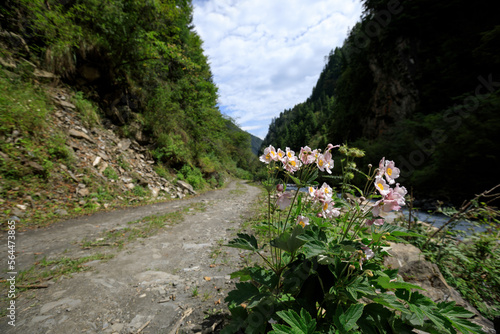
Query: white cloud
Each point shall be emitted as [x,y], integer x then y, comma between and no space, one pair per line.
[266,56]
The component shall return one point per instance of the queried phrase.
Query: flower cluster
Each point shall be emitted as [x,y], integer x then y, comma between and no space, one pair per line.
[324,196]
[293,163]
[393,198]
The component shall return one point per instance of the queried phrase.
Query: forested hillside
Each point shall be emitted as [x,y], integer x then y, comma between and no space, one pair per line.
[417,82]
[142,63]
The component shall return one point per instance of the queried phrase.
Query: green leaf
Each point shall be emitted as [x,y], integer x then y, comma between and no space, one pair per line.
[348,246]
[437,319]
[243,274]
[295,180]
[244,241]
[238,317]
[375,320]
[242,293]
[385,283]
[314,176]
[289,241]
[280,329]
[390,301]
[351,316]
[363,286]
[315,248]
[417,316]
[299,324]
[458,317]
[398,231]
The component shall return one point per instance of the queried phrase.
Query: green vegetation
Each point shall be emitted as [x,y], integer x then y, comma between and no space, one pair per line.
[88,110]
[195,292]
[141,64]
[424,95]
[321,268]
[472,266]
[23,113]
[142,228]
[470,262]
[45,269]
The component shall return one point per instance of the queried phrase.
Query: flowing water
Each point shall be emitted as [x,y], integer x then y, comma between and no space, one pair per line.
[435,219]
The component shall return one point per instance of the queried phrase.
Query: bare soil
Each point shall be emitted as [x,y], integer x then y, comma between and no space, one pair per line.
[174,281]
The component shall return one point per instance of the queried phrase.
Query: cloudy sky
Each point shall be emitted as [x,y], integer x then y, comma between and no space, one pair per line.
[266,55]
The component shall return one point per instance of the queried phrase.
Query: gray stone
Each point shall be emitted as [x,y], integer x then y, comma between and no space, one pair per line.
[79,134]
[17,212]
[61,212]
[37,169]
[124,144]
[103,155]
[44,74]
[68,302]
[83,192]
[117,327]
[96,161]
[154,192]
[416,270]
[22,207]
[186,186]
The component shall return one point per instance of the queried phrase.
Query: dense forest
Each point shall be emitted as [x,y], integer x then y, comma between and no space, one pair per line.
[142,63]
[417,82]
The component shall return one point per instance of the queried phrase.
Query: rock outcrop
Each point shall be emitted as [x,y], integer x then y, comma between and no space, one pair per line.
[97,153]
[414,269]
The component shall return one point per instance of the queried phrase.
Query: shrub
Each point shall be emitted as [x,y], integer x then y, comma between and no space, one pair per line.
[193,176]
[324,271]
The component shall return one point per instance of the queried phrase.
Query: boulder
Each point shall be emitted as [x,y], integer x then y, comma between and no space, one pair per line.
[83,192]
[79,134]
[124,144]
[186,186]
[416,270]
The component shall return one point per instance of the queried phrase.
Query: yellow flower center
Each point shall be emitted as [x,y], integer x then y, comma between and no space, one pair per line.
[389,171]
[380,186]
[301,223]
[325,206]
[293,163]
[289,154]
[268,157]
[280,154]
[320,163]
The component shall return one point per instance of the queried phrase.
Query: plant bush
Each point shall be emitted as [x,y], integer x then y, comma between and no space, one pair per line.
[470,263]
[192,175]
[322,256]
[87,110]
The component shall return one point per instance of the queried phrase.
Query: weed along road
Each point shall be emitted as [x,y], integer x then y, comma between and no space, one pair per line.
[154,269]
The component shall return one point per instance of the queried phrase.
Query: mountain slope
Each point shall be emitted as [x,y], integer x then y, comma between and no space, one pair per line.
[141,62]
[132,75]
[415,82]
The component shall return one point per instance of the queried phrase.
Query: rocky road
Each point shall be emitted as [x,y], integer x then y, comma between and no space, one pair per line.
[174,281]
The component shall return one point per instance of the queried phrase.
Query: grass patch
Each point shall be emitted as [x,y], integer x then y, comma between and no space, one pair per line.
[237,191]
[44,269]
[87,109]
[141,228]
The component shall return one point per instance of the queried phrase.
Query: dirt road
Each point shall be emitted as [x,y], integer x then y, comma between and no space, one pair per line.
[172,280]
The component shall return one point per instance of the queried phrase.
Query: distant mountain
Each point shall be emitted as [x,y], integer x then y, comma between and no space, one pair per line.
[256,144]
